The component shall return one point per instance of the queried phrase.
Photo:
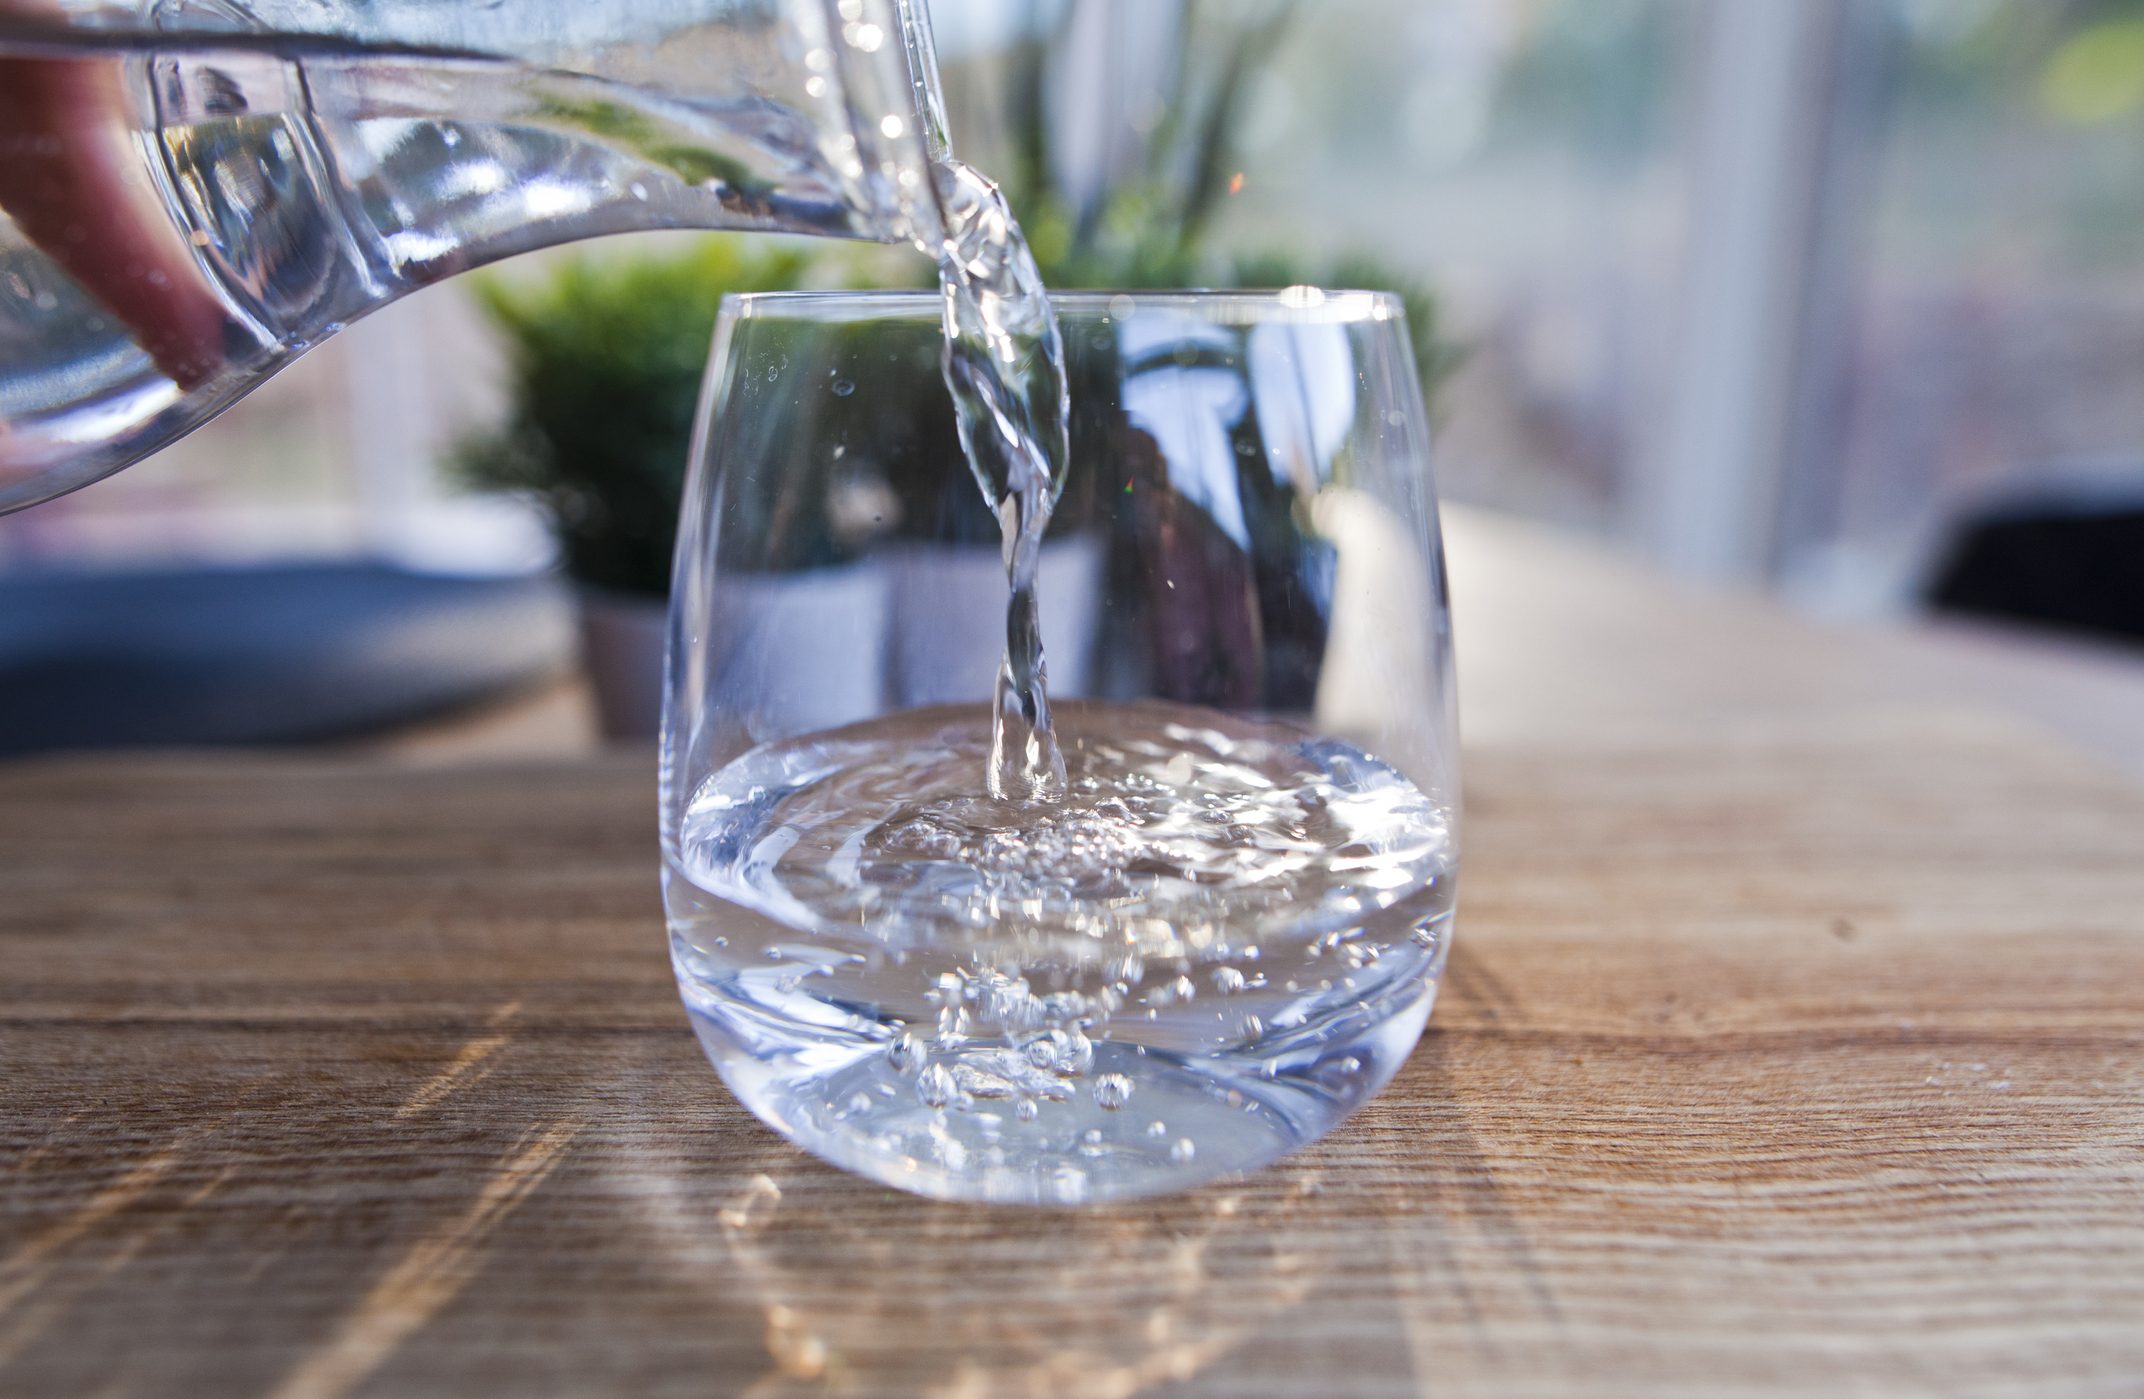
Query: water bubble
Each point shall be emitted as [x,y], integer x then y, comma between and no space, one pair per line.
[904,1054]
[1090,1142]
[1227,980]
[974,1081]
[843,388]
[934,1086]
[1112,1091]
[1067,1053]
[1183,1151]
[1028,1110]
[1157,1129]
[860,1103]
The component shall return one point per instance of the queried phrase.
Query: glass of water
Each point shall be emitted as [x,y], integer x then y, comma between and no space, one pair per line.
[1226,932]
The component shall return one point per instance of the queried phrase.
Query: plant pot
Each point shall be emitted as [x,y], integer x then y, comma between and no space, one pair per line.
[808,646]
[622,637]
[829,646]
[949,606]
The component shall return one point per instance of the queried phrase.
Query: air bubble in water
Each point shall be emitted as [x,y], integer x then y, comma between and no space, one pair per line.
[1183,1151]
[1112,1091]
[934,1086]
[903,1054]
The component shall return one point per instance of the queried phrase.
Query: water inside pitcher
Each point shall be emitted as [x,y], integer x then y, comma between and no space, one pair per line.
[193,193]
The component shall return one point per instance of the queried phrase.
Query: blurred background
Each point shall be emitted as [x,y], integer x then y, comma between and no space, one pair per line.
[1839,300]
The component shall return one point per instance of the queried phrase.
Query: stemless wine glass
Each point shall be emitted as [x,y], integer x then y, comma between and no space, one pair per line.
[1228,933]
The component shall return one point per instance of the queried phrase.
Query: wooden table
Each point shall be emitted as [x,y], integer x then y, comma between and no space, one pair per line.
[1793,1042]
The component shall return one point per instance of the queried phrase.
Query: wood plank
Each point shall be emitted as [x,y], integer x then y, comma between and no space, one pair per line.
[1773,1058]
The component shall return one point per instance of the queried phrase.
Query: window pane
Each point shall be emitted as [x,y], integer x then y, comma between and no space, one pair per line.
[1524,157]
[1996,338]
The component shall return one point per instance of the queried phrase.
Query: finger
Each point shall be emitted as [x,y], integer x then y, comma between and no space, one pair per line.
[72,179]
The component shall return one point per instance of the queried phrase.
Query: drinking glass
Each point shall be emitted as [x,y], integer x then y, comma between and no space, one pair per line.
[1227,935]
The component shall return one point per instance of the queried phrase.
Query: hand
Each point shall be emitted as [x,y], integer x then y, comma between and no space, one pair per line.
[73,181]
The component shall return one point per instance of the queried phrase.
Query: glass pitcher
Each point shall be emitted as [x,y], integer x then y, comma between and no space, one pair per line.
[192,192]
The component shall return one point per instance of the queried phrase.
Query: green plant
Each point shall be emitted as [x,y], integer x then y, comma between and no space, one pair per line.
[606,357]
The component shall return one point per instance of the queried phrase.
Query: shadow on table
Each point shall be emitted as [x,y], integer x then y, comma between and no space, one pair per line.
[542,1204]
[1319,1266]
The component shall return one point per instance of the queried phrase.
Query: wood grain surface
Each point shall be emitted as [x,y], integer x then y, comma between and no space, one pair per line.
[1773,1058]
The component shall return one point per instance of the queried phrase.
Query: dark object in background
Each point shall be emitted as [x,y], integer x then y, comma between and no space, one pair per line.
[285,654]
[2072,559]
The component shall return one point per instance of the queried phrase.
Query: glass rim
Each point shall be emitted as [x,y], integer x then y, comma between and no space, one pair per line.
[1286,304]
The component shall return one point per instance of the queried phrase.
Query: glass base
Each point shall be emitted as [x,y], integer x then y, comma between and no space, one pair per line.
[1143,1122]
